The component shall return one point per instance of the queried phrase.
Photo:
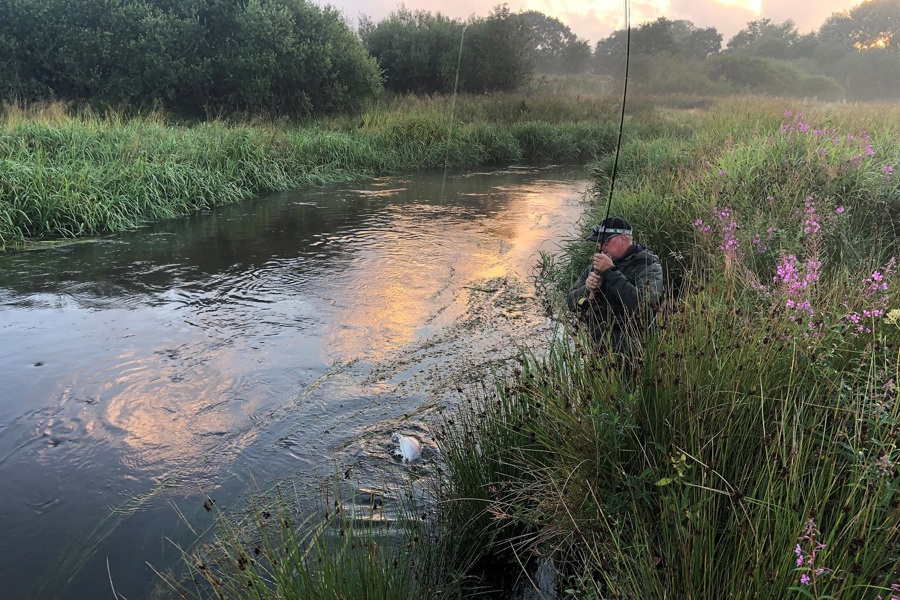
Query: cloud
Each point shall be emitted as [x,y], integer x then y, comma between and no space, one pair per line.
[596,19]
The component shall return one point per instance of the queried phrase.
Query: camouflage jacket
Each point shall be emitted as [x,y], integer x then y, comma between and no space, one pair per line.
[634,282]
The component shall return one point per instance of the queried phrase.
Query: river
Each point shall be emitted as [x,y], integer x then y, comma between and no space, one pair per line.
[286,336]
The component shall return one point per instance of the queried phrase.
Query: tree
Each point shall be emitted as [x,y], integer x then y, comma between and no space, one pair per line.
[280,56]
[497,55]
[417,50]
[766,38]
[861,49]
[872,25]
[553,46]
[576,56]
[680,39]
[420,51]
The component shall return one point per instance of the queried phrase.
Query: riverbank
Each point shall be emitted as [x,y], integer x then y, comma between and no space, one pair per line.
[754,453]
[69,174]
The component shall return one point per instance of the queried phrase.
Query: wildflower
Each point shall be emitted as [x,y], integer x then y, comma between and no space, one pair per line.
[885,466]
[723,172]
[839,210]
[808,551]
[888,170]
[895,592]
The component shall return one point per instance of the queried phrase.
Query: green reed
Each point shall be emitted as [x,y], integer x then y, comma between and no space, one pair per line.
[289,544]
[70,174]
[751,452]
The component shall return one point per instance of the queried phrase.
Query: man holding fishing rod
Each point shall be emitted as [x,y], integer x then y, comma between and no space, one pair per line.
[624,282]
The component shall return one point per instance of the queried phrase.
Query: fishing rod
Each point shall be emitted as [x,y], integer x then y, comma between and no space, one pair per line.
[612,182]
[452,109]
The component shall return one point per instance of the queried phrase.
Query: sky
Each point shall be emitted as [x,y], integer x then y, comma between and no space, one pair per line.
[595,20]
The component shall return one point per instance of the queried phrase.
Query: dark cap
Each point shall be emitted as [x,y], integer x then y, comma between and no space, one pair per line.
[609,228]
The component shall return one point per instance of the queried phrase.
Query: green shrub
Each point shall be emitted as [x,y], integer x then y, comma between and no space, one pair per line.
[763,75]
[264,56]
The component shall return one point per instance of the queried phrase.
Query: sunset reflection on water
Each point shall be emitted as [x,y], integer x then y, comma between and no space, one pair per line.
[236,345]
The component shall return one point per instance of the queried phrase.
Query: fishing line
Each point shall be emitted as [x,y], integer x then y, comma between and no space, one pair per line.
[452,110]
[612,183]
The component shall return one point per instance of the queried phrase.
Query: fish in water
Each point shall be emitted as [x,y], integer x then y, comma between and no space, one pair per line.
[408,447]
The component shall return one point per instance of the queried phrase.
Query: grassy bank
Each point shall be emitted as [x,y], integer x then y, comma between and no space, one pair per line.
[65,174]
[754,454]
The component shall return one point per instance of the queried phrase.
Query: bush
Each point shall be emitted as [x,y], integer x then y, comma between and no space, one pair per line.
[422,52]
[263,56]
[763,75]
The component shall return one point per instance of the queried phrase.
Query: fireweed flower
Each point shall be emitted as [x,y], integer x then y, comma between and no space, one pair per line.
[839,210]
[888,170]
[895,592]
[808,551]
[728,229]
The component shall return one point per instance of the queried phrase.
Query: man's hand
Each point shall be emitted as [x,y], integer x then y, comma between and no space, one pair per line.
[593,281]
[602,262]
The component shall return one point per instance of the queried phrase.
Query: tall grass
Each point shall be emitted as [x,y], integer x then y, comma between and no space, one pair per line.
[66,174]
[291,544]
[751,450]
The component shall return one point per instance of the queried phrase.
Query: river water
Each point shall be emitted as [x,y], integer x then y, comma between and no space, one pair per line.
[287,336]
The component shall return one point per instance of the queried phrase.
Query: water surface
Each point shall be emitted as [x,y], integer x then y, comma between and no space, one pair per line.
[282,336]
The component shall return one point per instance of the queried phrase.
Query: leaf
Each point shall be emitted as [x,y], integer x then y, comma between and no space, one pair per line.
[664,481]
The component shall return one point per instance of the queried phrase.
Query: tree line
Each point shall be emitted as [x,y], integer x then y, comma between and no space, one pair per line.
[291,57]
[854,54]
[191,56]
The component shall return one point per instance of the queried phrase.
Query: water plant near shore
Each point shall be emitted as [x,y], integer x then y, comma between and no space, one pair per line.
[760,428]
[758,407]
[71,176]
[288,543]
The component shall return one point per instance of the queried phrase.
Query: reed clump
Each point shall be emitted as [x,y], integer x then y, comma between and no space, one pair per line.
[288,543]
[750,451]
[69,173]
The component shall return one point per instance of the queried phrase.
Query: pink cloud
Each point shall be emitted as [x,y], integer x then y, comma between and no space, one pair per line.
[594,20]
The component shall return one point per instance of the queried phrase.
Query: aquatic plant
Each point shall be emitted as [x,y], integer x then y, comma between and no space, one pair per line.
[67,176]
[285,543]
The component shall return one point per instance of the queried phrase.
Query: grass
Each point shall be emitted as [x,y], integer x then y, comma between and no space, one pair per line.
[292,544]
[70,174]
[753,453]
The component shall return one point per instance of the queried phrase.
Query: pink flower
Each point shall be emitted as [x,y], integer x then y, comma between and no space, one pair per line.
[839,210]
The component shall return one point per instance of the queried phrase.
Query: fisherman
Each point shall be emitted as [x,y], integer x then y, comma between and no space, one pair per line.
[617,291]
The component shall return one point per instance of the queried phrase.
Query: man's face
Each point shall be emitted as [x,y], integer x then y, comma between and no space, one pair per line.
[615,247]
